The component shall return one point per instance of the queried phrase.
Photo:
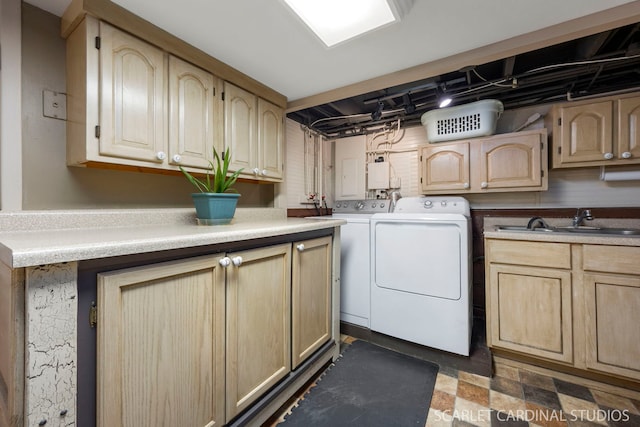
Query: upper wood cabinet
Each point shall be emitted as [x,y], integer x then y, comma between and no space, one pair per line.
[195,115]
[254,131]
[132,94]
[132,105]
[505,162]
[596,132]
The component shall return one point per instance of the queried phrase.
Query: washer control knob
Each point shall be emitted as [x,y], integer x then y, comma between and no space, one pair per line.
[443,203]
[359,205]
[428,204]
[382,205]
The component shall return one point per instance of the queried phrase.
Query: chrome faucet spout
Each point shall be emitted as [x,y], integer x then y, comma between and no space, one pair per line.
[581,215]
[537,222]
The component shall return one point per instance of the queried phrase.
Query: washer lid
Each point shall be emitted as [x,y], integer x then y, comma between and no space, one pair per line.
[434,205]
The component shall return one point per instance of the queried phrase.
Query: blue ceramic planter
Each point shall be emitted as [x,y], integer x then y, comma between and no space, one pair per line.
[215,208]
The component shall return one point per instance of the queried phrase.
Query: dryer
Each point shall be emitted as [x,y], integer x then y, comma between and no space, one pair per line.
[421,272]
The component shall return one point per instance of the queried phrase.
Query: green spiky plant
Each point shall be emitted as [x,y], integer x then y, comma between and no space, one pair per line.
[217,181]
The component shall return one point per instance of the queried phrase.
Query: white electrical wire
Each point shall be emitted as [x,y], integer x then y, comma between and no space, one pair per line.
[497,83]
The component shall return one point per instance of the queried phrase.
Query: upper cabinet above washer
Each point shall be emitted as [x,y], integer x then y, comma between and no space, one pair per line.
[598,132]
[505,162]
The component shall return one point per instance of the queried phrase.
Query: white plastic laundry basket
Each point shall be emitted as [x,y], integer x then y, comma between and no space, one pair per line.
[464,121]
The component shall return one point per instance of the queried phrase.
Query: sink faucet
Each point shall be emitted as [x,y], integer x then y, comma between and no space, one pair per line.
[581,215]
[537,222]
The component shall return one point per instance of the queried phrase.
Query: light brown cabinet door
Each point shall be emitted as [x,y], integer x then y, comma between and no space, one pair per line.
[160,348]
[311,297]
[195,115]
[444,167]
[270,140]
[612,324]
[586,134]
[508,161]
[258,323]
[530,311]
[133,113]
[241,129]
[629,130]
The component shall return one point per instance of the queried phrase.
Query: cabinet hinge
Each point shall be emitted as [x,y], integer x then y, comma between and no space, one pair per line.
[222,96]
[93,315]
[559,150]
[97,131]
[559,121]
[542,173]
[98,42]
[214,91]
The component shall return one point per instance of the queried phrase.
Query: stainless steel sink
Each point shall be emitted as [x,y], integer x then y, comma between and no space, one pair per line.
[576,230]
[603,230]
[522,228]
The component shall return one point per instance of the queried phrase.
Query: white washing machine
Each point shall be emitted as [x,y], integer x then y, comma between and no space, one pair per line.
[421,272]
[354,257]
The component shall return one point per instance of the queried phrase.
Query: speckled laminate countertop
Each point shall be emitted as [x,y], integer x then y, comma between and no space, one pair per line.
[491,224]
[45,237]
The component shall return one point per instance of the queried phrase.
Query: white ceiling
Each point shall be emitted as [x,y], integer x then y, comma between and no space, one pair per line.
[263,39]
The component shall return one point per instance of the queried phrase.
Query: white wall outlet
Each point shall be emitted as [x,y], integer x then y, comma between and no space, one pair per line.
[54,104]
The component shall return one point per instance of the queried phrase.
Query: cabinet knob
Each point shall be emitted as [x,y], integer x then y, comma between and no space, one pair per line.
[626,155]
[161,155]
[225,262]
[263,172]
[483,184]
[300,247]
[237,261]
[608,156]
[177,158]
[466,185]
[256,171]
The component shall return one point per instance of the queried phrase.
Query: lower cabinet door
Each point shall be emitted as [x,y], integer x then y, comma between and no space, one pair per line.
[311,297]
[530,311]
[612,322]
[258,323]
[160,345]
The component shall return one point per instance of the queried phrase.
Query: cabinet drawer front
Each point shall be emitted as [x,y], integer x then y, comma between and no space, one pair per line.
[555,255]
[613,259]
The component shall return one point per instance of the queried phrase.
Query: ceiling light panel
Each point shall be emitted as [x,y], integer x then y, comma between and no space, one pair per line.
[335,21]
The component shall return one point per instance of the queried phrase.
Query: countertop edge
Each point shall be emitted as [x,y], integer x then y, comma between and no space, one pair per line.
[30,248]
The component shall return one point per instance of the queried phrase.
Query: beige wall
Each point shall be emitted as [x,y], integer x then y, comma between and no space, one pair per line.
[47,182]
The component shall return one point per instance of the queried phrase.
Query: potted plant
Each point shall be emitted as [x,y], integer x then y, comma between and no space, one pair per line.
[216,201]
